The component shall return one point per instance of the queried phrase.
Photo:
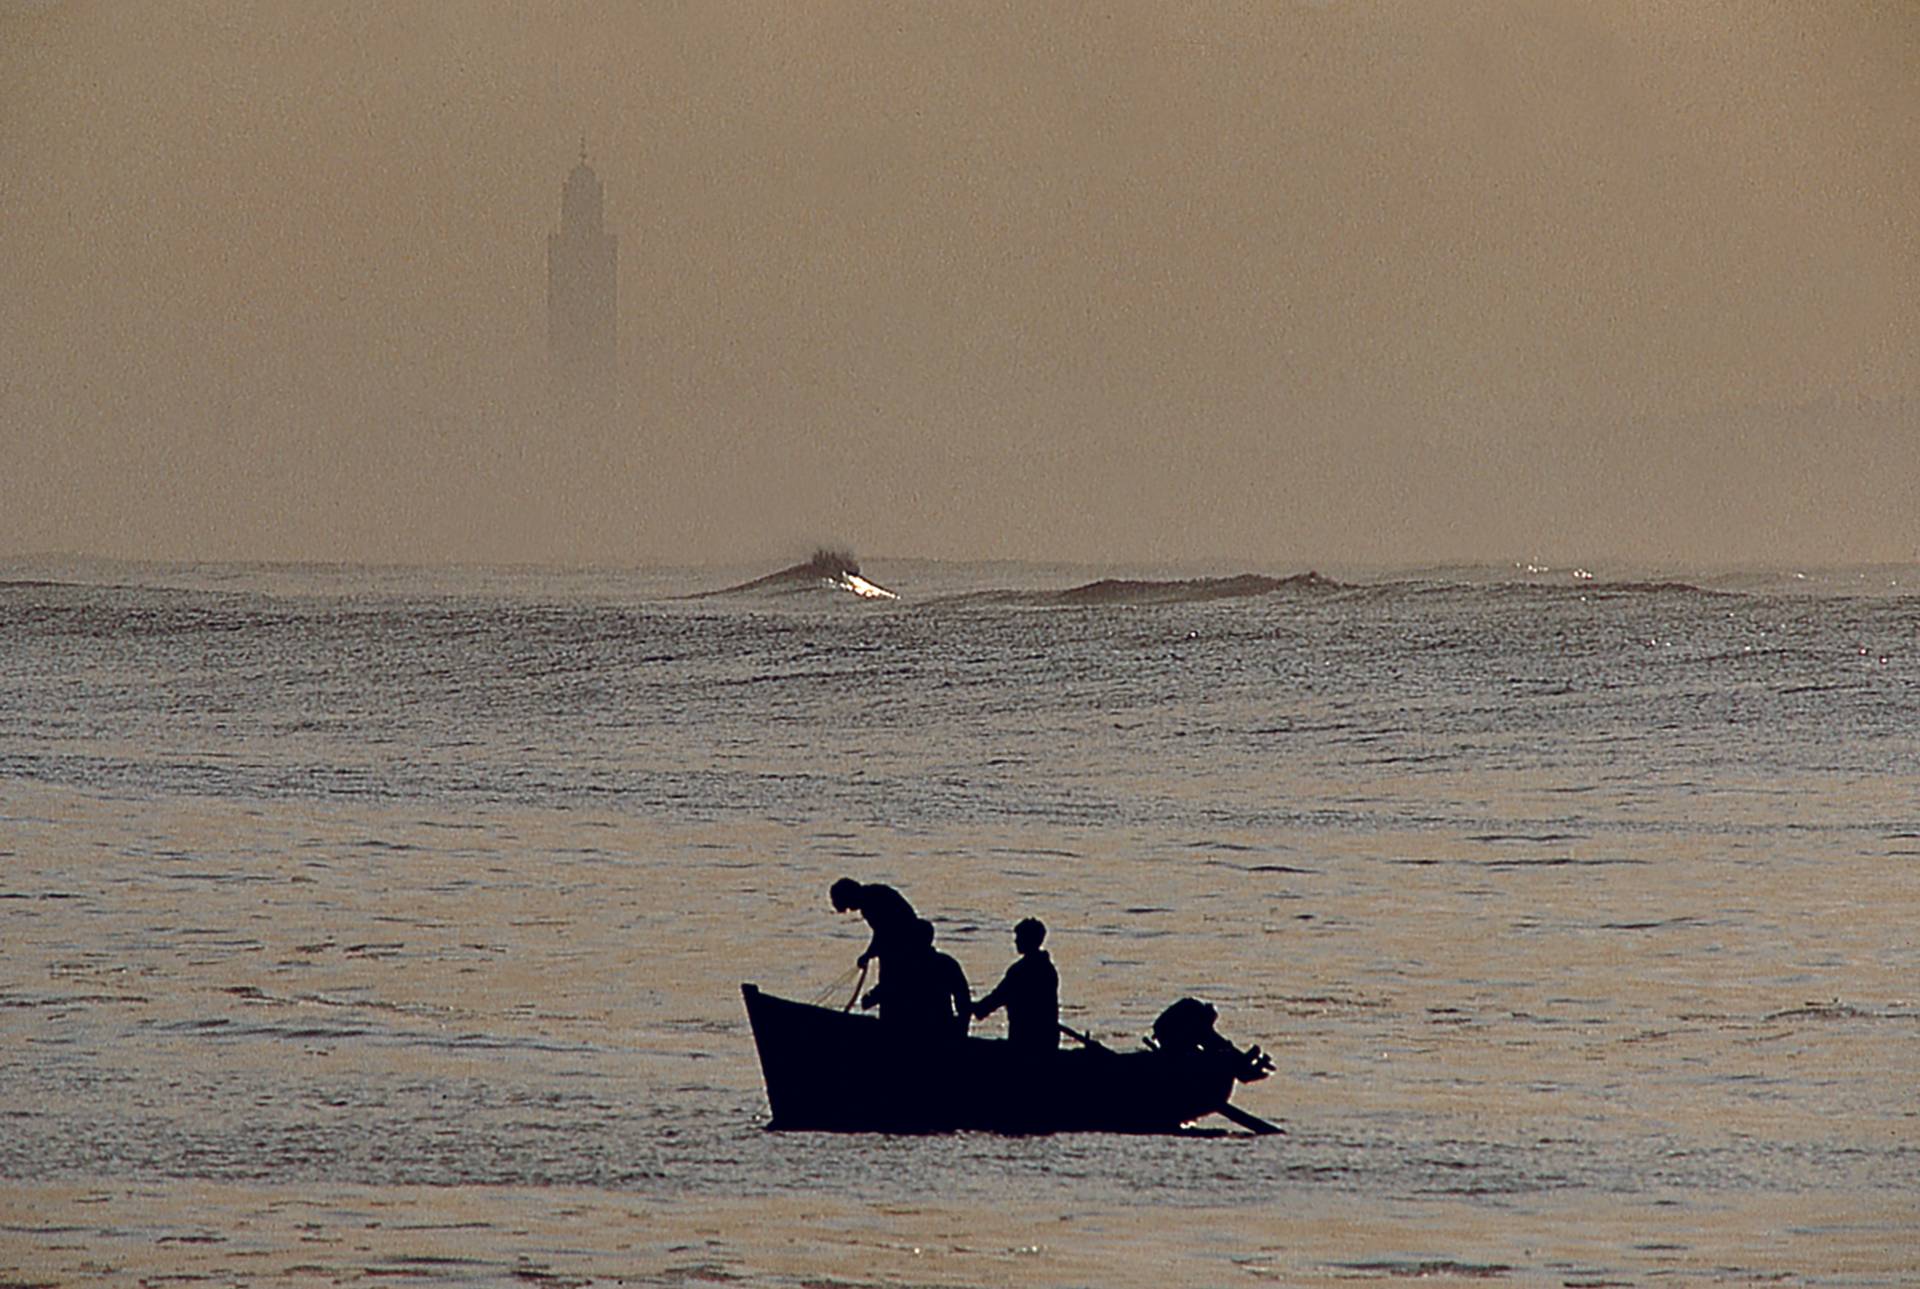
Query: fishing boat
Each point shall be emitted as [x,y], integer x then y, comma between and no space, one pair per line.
[836,1071]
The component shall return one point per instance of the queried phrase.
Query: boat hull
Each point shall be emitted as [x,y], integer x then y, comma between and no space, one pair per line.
[831,1071]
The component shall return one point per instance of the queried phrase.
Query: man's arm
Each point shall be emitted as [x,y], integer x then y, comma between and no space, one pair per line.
[994,1000]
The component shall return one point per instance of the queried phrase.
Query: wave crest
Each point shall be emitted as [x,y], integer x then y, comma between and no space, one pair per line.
[1118,591]
[827,569]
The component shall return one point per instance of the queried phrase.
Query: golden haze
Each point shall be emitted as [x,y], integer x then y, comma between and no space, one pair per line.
[1275,283]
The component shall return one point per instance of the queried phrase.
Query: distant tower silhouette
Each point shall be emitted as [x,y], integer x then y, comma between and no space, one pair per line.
[582,285]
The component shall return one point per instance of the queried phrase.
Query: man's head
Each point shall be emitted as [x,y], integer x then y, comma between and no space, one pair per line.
[846,894]
[1028,934]
[922,933]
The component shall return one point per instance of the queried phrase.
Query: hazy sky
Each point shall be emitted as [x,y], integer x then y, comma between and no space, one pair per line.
[1272,284]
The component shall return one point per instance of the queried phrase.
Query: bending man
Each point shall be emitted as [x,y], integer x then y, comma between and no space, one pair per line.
[886,911]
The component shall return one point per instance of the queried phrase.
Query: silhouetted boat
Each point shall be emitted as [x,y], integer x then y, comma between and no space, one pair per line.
[835,1071]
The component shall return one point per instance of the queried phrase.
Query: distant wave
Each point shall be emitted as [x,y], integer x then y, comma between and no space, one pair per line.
[824,570]
[1597,587]
[1139,591]
[43,584]
[99,588]
[1656,588]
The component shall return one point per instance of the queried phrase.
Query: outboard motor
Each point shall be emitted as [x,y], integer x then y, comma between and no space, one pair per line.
[1187,1027]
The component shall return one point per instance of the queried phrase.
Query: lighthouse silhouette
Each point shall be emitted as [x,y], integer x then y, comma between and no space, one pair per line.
[582,288]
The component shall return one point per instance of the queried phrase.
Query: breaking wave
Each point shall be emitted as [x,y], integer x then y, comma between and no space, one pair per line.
[825,570]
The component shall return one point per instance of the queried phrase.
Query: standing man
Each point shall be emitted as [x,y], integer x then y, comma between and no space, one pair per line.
[1030,992]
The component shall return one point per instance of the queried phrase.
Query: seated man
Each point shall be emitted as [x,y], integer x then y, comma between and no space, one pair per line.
[925,993]
[1030,992]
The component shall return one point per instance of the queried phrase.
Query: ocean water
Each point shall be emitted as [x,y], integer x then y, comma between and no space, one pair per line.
[389,924]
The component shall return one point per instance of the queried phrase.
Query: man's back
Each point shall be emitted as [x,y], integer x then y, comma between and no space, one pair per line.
[925,992]
[888,913]
[952,996]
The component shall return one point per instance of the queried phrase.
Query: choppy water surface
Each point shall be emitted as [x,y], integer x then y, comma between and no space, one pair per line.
[375,923]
